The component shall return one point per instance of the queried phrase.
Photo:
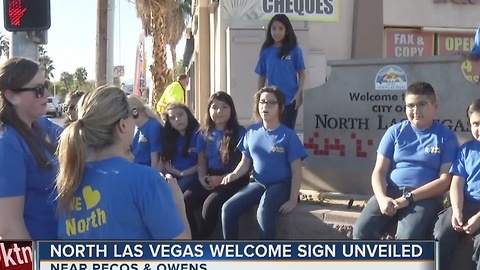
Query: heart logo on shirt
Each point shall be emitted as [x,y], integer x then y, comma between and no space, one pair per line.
[91,197]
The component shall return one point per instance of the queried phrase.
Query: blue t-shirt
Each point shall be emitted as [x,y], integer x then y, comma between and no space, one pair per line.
[476,44]
[147,141]
[271,152]
[467,165]
[21,176]
[118,199]
[212,150]
[416,156]
[195,146]
[281,72]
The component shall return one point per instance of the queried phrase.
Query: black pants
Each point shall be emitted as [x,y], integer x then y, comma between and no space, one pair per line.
[211,202]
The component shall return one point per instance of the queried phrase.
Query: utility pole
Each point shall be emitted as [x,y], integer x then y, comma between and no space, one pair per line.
[101,48]
[25,44]
[110,40]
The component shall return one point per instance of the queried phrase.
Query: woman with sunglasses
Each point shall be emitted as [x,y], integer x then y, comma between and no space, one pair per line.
[104,195]
[146,144]
[27,162]
[70,107]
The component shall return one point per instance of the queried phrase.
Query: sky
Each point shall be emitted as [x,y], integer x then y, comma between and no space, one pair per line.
[72,37]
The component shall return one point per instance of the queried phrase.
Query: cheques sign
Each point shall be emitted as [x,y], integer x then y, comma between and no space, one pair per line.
[296,10]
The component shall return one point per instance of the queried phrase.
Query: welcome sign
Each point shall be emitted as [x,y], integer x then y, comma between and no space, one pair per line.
[345,119]
[296,10]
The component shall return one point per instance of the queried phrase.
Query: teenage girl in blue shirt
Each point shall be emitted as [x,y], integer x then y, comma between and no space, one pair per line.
[276,154]
[221,132]
[181,144]
[103,195]
[27,163]
[146,145]
[281,64]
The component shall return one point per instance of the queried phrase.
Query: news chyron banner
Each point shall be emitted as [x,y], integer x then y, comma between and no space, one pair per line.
[16,255]
[236,255]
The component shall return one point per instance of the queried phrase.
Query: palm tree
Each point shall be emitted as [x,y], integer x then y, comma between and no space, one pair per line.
[178,19]
[81,75]
[153,14]
[4,46]
[46,63]
[67,79]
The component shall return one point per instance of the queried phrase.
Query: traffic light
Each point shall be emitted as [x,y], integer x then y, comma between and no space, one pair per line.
[26,15]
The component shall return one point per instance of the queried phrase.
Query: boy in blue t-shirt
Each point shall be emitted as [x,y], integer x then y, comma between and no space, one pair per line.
[463,217]
[411,172]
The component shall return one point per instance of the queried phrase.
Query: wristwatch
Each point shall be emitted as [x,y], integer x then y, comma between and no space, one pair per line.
[409,196]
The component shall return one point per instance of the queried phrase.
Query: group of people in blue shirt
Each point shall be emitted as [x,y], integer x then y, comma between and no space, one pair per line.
[117,170]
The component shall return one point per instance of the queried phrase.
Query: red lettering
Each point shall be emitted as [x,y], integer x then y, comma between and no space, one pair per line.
[337,146]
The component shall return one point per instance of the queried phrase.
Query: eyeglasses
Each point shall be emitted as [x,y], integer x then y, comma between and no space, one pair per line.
[269,103]
[69,108]
[420,106]
[39,90]
[133,112]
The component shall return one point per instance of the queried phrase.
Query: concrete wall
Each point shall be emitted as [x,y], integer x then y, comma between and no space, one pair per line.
[320,41]
[346,117]
[427,13]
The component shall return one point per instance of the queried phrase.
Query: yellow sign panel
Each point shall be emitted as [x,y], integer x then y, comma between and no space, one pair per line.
[296,10]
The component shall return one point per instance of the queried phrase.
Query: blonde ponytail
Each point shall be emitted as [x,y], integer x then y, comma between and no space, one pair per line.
[71,156]
[98,113]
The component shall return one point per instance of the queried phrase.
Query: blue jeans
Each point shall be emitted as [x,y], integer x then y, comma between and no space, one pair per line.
[414,222]
[448,238]
[289,117]
[185,182]
[269,200]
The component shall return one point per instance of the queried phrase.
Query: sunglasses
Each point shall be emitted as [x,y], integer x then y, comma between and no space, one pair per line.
[39,90]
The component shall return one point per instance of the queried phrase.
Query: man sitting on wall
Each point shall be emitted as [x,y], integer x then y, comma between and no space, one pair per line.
[175,92]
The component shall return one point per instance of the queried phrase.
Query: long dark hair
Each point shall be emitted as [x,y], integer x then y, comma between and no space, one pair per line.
[289,41]
[228,143]
[15,73]
[170,135]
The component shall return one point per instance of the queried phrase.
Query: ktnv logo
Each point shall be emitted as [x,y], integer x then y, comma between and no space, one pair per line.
[14,254]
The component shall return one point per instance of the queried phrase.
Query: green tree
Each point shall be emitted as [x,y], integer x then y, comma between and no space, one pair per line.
[4,46]
[46,63]
[81,76]
[67,79]
[178,18]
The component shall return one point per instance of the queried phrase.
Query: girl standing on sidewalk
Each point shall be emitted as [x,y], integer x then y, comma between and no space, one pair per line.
[281,64]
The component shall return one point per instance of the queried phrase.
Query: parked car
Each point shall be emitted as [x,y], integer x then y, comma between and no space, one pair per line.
[54,107]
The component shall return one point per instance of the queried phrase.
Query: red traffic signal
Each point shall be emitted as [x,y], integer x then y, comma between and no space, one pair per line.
[26,15]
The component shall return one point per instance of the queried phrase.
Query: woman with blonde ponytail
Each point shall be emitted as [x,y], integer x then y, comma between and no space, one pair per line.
[146,144]
[103,195]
